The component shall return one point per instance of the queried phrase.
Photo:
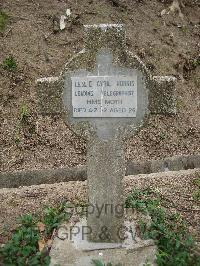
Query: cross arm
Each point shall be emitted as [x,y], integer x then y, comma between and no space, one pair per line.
[49,92]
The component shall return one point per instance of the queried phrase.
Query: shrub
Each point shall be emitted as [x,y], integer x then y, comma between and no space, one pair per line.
[9,63]
[169,231]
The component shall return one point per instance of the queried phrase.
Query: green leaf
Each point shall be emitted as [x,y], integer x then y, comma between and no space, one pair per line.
[97,263]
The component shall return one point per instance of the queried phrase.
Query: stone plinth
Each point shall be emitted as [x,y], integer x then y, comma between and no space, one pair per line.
[75,250]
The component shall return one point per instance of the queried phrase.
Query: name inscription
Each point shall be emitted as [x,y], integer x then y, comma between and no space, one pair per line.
[104,96]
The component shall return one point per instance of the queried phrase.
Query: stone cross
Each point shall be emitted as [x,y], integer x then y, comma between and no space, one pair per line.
[106,93]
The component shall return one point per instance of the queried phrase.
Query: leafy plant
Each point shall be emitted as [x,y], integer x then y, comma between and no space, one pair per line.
[3,20]
[175,245]
[197,182]
[23,248]
[196,62]
[196,194]
[53,217]
[9,63]
[140,200]
[98,263]
[162,136]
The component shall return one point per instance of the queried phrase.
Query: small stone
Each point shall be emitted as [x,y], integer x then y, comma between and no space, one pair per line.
[62,22]
[68,12]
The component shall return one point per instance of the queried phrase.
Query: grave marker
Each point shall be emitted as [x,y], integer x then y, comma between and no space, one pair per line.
[107,98]
[107,95]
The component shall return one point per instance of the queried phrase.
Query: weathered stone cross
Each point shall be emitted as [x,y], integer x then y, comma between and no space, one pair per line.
[107,93]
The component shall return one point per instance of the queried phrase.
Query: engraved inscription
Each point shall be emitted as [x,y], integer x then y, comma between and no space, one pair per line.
[104,96]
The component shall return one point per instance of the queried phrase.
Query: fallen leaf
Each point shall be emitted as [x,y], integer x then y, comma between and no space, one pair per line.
[49,242]
[41,244]
[41,227]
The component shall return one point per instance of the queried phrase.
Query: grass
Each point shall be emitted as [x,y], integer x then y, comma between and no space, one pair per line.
[175,245]
[3,20]
[23,121]
[196,194]
[196,62]
[24,114]
[25,127]
[9,64]
[28,245]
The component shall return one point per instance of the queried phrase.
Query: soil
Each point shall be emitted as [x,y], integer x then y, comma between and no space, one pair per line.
[176,188]
[168,44]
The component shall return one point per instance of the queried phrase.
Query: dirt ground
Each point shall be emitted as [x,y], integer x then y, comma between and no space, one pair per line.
[168,44]
[176,189]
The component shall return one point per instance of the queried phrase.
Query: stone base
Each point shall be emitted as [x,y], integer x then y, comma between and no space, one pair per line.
[72,249]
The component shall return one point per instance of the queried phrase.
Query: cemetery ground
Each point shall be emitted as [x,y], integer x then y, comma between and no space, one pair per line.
[32,46]
[42,209]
